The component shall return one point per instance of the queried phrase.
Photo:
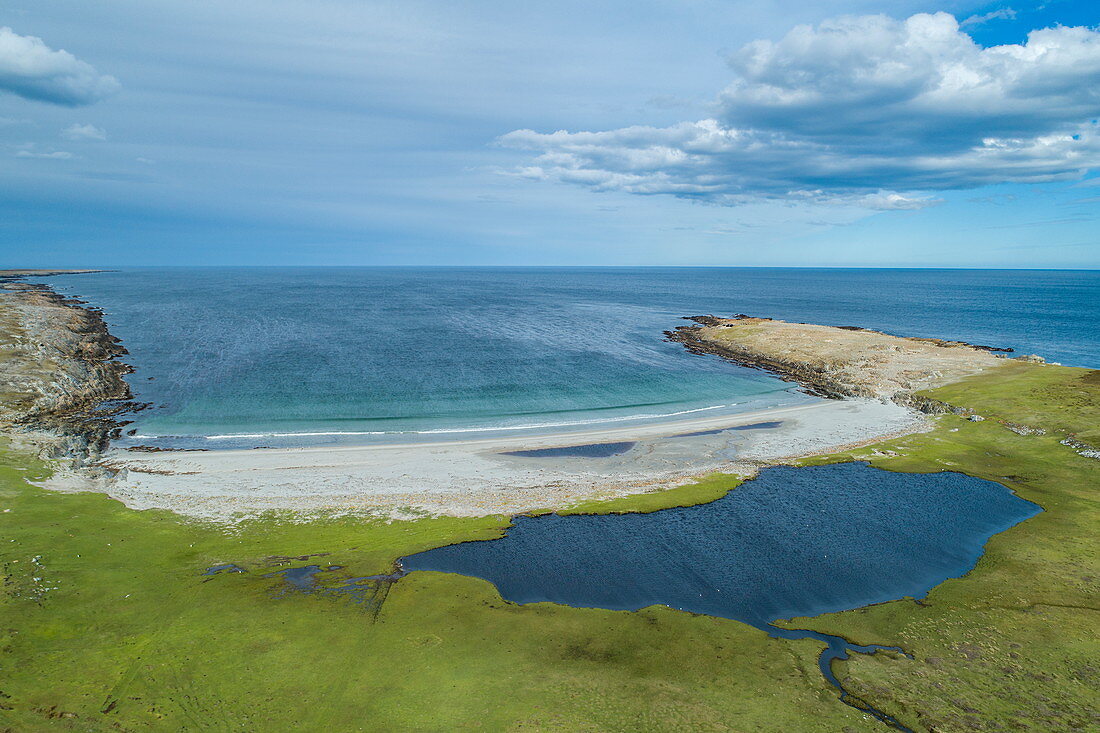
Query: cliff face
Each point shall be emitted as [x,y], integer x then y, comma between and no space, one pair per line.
[60,374]
[838,362]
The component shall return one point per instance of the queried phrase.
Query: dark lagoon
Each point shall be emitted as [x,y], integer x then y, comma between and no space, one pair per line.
[792,542]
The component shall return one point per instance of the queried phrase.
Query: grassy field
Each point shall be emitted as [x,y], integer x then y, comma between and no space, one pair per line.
[1015,644]
[108,623]
[708,489]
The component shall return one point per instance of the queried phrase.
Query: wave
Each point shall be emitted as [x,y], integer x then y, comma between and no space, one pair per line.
[438,431]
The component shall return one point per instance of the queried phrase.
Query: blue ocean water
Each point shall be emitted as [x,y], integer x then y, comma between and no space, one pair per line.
[792,542]
[278,356]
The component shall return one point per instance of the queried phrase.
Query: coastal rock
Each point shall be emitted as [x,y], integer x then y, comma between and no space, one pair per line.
[63,373]
[1021,429]
[1082,449]
[840,361]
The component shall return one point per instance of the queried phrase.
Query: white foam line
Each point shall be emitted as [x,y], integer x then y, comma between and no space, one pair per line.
[447,431]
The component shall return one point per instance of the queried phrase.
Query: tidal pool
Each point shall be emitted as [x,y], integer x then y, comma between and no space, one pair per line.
[792,542]
[588,450]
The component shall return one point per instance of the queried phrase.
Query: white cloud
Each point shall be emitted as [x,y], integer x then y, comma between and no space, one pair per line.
[864,108]
[890,201]
[32,70]
[77,131]
[1001,14]
[56,155]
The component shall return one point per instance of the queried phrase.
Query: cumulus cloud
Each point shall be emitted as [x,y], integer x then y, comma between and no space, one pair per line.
[859,108]
[83,132]
[32,70]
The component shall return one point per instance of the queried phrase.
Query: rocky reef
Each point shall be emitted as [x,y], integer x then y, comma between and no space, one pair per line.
[61,374]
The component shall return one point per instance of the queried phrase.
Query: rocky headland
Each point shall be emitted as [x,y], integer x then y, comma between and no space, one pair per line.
[846,361]
[61,377]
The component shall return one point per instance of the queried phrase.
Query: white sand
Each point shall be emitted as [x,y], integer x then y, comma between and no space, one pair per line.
[473,477]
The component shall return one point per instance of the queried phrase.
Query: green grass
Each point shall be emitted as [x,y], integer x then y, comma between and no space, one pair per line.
[1059,399]
[703,491]
[106,623]
[1014,643]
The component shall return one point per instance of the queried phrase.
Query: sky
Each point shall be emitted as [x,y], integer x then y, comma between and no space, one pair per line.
[851,133]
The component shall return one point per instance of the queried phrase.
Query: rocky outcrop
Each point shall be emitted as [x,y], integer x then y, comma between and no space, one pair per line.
[61,373]
[837,362]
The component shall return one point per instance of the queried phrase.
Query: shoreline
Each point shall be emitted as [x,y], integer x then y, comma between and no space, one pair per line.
[532,439]
[474,476]
[16,274]
[483,476]
[331,439]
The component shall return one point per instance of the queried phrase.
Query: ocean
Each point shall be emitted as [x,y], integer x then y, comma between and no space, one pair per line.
[244,357]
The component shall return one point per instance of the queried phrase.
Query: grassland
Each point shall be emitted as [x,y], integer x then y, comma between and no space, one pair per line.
[707,489]
[1014,644]
[109,624]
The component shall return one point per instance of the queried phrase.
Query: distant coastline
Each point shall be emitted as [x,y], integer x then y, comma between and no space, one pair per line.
[32,272]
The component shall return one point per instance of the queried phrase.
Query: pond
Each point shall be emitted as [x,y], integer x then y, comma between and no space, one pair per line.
[792,542]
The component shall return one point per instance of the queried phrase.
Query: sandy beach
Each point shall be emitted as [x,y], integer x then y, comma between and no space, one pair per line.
[480,476]
[66,363]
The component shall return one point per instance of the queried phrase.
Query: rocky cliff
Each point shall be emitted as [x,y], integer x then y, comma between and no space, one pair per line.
[61,377]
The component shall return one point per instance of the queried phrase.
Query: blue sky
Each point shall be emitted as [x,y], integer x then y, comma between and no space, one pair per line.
[650,132]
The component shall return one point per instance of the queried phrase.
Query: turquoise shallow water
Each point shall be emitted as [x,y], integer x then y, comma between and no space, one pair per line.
[288,356]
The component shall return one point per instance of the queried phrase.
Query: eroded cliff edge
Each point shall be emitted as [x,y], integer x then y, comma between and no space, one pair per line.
[61,374]
[838,362]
